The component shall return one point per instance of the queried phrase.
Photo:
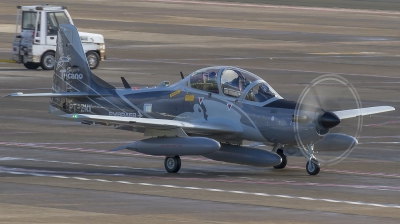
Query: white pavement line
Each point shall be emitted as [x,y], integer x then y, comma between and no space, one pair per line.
[81,178]
[277,182]
[219,190]
[169,186]
[124,182]
[101,180]
[254,5]
[74,163]
[18,173]
[146,184]
[62,177]
[212,189]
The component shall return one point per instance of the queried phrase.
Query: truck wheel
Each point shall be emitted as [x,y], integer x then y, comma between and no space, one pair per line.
[31,65]
[93,59]
[48,61]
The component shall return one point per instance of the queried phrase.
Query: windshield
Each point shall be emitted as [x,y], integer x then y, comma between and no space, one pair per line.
[260,93]
[205,79]
[29,20]
[53,20]
[234,81]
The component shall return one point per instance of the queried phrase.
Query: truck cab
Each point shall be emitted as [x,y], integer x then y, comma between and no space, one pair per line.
[36,39]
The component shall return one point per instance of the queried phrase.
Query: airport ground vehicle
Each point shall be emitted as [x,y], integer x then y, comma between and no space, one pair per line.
[35,42]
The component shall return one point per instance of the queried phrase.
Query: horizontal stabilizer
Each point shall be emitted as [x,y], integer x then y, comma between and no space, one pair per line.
[344,114]
[64,94]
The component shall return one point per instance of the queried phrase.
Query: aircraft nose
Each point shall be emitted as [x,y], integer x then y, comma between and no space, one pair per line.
[329,120]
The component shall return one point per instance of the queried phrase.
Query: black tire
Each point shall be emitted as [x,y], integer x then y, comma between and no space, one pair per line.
[284,160]
[312,168]
[31,65]
[48,61]
[93,59]
[172,164]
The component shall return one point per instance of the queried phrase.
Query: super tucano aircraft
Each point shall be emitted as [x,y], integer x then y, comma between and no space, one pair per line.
[209,113]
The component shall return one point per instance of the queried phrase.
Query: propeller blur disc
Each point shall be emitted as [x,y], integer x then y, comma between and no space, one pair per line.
[316,103]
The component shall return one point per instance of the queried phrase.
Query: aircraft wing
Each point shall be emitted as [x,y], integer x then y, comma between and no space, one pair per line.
[63,94]
[162,124]
[344,114]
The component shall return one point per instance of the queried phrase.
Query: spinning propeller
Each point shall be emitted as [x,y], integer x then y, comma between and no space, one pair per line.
[315,110]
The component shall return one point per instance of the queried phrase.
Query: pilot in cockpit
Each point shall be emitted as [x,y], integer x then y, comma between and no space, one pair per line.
[264,89]
[212,77]
[233,82]
[212,80]
[239,82]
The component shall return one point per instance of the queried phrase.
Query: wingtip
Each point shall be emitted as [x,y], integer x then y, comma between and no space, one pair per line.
[14,94]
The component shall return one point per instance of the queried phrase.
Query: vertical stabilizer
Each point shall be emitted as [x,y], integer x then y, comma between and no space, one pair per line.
[71,70]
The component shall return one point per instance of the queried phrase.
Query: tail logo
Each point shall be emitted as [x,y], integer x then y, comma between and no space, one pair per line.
[62,60]
[71,73]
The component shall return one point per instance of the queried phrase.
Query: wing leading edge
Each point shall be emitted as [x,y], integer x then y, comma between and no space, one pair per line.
[59,94]
[344,114]
[161,124]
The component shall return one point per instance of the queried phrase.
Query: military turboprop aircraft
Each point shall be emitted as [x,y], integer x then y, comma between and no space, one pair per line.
[209,113]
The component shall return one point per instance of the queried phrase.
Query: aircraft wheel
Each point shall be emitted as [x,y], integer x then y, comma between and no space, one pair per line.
[31,65]
[93,59]
[313,168]
[48,61]
[284,159]
[172,164]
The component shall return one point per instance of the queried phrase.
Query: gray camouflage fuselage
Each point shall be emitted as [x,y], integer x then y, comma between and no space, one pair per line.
[269,122]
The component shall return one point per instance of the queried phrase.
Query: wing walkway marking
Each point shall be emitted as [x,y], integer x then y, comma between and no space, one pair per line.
[396,206]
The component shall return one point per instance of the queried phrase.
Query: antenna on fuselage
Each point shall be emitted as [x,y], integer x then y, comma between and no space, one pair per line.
[182,75]
[126,84]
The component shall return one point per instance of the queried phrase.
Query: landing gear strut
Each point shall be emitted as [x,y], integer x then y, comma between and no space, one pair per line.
[313,167]
[172,164]
[284,160]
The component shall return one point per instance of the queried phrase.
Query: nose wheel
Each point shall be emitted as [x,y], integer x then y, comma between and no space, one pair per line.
[313,167]
[172,164]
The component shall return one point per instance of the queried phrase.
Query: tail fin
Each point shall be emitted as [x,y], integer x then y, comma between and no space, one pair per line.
[75,88]
[71,70]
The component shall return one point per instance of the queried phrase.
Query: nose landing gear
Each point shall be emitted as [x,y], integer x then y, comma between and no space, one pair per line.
[313,166]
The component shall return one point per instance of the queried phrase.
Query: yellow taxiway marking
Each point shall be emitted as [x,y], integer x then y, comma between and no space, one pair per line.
[7,60]
[346,53]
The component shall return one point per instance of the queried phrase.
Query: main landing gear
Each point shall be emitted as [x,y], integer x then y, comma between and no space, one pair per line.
[313,166]
[284,159]
[172,164]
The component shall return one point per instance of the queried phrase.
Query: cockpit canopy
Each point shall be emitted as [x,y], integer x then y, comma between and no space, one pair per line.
[232,82]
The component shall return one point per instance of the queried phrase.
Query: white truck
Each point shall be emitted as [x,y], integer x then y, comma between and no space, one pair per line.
[35,43]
